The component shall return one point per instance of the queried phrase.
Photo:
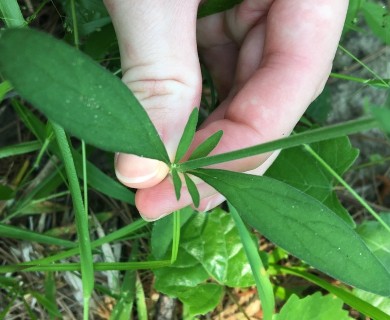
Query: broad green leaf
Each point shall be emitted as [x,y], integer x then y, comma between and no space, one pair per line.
[378,19]
[353,9]
[316,307]
[207,146]
[202,298]
[315,180]
[78,94]
[210,7]
[193,190]
[301,225]
[210,248]
[264,286]
[377,238]
[176,183]
[187,136]
[320,108]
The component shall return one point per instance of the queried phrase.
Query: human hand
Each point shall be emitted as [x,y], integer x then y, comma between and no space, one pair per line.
[269,60]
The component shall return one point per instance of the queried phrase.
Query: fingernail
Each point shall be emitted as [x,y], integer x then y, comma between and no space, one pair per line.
[147,219]
[131,169]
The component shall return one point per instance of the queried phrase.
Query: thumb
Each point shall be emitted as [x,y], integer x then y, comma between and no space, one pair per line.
[157,42]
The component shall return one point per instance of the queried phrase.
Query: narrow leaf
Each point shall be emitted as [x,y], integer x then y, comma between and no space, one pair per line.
[20,148]
[307,137]
[303,226]
[78,94]
[176,183]
[264,286]
[187,136]
[193,190]
[207,146]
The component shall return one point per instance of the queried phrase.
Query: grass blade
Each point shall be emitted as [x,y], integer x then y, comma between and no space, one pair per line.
[207,146]
[193,190]
[348,297]
[5,86]
[21,148]
[77,93]
[30,236]
[264,286]
[11,13]
[307,137]
[87,271]
[187,136]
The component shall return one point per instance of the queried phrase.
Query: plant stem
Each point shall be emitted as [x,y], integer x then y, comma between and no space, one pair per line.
[370,82]
[316,135]
[346,186]
[87,271]
[11,13]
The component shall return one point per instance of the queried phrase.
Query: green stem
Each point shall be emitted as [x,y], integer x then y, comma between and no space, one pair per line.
[176,236]
[316,135]
[371,82]
[364,66]
[347,186]
[12,14]
[87,270]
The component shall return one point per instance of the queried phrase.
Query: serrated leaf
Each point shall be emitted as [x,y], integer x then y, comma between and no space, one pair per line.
[315,180]
[74,91]
[301,225]
[193,190]
[187,136]
[207,146]
[210,247]
[312,307]
[176,183]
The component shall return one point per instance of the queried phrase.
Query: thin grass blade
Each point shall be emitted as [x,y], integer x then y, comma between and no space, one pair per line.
[7,231]
[207,146]
[264,286]
[87,271]
[187,136]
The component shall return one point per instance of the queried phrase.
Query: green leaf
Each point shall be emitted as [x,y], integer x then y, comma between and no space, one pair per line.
[210,248]
[378,19]
[377,238]
[312,307]
[382,115]
[30,236]
[382,303]
[187,136]
[78,94]
[176,183]
[315,180]
[21,148]
[5,86]
[301,225]
[202,298]
[207,146]
[96,178]
[6,192]
[193,190]
[210,7]
[264,286]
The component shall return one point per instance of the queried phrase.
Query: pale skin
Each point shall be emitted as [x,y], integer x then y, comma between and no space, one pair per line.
[269,59]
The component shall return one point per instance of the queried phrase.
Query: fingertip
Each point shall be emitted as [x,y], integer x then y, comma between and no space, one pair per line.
[138,172]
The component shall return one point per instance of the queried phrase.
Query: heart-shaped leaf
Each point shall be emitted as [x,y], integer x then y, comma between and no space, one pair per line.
[77,93]
[303,226]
